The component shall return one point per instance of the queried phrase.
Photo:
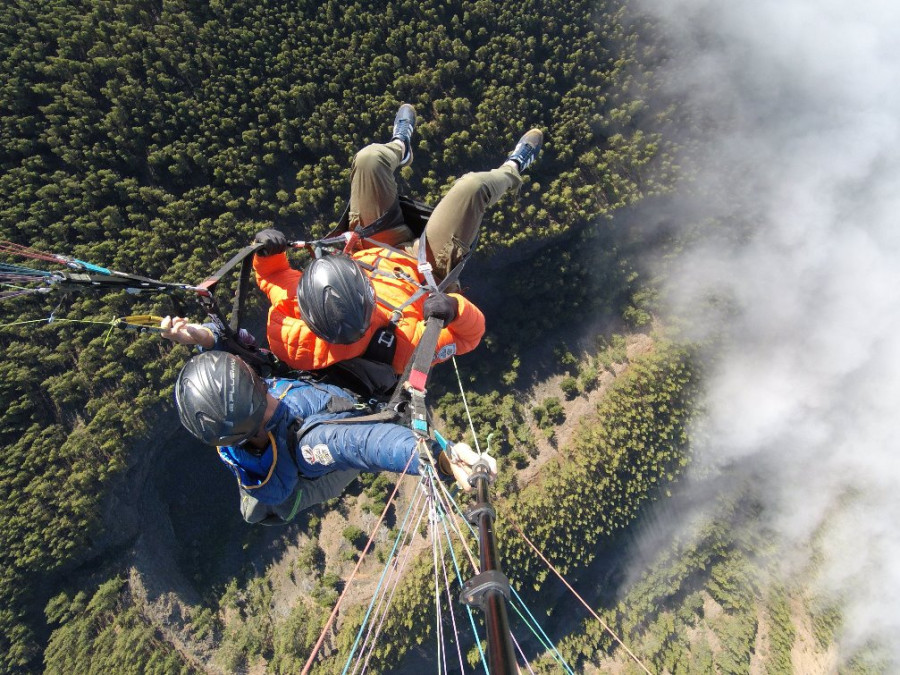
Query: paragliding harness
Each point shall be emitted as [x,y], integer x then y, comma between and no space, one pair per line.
[370,375]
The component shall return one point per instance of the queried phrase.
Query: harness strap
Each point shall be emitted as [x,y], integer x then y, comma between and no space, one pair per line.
[390,218]
[383,344]
[386,415]
[261,360]
[427,271]
[240,297]
[411,387]
[397,274]
[244,258]
[419,369]
[236,259]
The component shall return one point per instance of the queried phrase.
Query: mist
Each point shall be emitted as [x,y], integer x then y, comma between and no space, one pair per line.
[796,105]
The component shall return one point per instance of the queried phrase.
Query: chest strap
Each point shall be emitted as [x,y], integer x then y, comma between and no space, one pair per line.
[383,344]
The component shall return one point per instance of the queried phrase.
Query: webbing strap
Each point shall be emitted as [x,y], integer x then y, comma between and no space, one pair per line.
[244,259]
[239,257]
[398,311]
[386,415]
[393,216]
[423,356]
[390,218]
[427,271]
[415,377]
[262,360]
[240,297]
[397,274]
[424,265]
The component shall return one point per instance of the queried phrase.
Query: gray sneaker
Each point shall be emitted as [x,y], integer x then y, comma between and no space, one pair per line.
[527,149]
[404,125]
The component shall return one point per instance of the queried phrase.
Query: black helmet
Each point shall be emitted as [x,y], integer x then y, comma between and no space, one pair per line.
[336,299]
[220,399]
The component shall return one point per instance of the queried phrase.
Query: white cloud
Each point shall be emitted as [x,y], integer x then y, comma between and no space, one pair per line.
[800,103]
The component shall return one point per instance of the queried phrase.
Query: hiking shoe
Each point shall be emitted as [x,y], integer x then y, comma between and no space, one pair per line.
[404,124]
[527,149]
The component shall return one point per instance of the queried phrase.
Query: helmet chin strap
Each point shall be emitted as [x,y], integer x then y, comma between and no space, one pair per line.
[261,437]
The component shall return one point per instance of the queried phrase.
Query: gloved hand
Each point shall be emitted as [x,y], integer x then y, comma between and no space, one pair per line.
[274,242]
[441,307]
[458,460]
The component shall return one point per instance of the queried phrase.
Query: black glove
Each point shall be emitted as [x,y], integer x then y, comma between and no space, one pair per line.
[441,307]
[273,242]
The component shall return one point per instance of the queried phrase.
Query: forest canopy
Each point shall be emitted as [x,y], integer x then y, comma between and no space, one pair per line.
[156,137]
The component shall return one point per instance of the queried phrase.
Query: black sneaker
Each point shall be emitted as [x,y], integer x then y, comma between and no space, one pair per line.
[527,149]
[404,124]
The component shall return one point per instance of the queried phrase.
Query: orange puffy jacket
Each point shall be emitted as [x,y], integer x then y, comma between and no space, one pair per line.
[291,340]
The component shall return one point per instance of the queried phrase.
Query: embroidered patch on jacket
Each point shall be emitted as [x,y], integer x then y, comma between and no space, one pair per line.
[446,352]
[318,454]
[322,454]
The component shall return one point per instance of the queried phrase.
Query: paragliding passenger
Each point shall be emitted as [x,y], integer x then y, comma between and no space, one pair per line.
[280,439]
[370,303]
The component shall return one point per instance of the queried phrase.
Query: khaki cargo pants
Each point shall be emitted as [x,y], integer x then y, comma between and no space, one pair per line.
[452,228]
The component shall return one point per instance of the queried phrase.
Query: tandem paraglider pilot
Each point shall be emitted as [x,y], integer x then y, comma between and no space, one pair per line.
[372,303]
[283,440]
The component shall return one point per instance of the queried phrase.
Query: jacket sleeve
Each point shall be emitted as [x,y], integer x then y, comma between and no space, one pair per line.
[368,447]
[466,330]
[276,278]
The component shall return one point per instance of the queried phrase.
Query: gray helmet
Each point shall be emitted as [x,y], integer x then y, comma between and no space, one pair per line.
[336,299]
[220,399]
